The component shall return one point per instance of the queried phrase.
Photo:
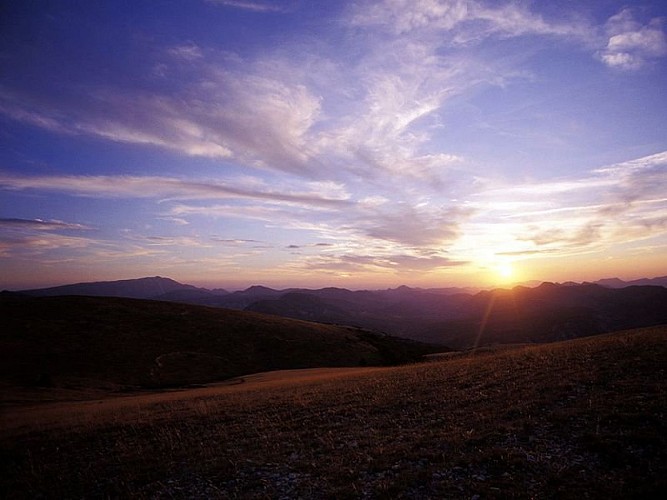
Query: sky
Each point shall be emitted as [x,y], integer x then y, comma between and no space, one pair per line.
[361,144]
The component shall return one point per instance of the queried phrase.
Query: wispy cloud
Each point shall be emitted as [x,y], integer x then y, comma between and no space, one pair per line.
[50,244]
[563,215]
[409,226]
[107,186]
[233,242]
[254,118]
[189,51]
[398,264]
[248,5]
[296,113]
[40,225]
[610,206]
[31,245]
[36,236]
[464,21]
[172,241]
[412,224]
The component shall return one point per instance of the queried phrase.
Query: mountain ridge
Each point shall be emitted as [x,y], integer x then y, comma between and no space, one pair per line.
[548,312]
[165,285]
[137,288]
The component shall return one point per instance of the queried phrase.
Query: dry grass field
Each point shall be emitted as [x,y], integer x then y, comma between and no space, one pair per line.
[583,418]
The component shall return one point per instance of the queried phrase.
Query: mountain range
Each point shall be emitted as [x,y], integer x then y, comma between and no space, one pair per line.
[546,313]
[159,288]
[454,317]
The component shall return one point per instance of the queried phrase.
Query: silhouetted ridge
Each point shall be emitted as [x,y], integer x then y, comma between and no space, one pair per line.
[548,312]
[141,288]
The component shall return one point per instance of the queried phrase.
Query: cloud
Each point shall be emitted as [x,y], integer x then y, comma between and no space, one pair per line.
[638,179]
[608,207]
[175,220]
[26,245]
[577,237]
[302,110]
[40,225]
[233,242]
[285,217]
[248,5]
[189,51]
[403,16]
[256,118]
[464,20]
[48,243]
[173,241]
[313,245]
[400,263]
[322,195]
[36,236]
[412,226]
[513,19]
[631,44]
[416,57]
[402,225]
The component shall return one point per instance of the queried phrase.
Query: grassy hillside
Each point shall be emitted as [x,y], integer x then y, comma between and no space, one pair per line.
[79,343]
[577,419]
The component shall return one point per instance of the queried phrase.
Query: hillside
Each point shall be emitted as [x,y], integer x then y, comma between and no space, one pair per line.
[575,419]
[114,343]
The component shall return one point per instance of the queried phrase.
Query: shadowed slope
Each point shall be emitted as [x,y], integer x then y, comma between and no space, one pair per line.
[84,342]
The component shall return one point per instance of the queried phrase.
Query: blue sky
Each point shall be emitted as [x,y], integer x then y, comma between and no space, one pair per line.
[307,143]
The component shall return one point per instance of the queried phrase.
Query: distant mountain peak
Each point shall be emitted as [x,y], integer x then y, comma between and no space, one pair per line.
[548,284]
[138,288]
[259,288]
[619,283]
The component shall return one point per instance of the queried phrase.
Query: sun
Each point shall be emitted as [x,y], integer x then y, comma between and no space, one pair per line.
[505,271]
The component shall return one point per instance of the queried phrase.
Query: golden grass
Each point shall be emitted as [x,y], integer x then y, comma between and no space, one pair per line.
[25,417]
[579,418]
